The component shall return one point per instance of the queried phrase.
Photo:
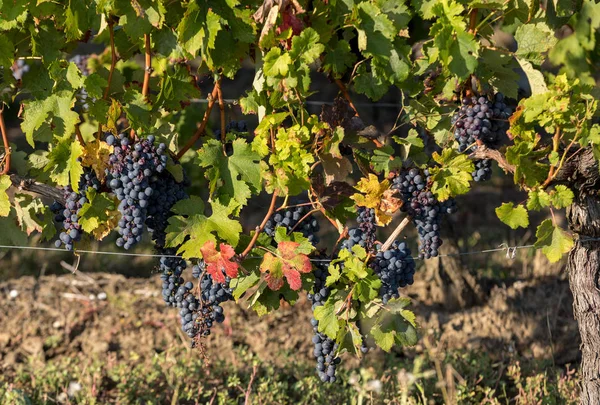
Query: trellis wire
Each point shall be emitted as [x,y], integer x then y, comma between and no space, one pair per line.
[510,251]
[234,101]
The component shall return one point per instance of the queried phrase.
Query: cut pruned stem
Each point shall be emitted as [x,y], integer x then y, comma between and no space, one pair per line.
[6,145]
[148,67]
[395,234]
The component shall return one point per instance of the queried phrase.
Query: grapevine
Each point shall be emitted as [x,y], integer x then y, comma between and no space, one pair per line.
[108,119]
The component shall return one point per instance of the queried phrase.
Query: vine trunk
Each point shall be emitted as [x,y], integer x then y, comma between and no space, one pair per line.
[584,266]
[584,275]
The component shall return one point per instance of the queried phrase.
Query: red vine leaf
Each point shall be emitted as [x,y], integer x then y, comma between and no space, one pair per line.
[219,263]
[288,263]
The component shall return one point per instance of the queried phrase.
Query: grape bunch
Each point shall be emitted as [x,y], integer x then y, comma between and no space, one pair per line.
[366,223]
[174,288]
[483,170]
[166,193]
[289,218]
[320,291]
[237,127]
[324,351]
[424,209]
[19,68]
[355,237]
[479,119]
[198,315]
[132,172]
[68,214]
[81,62]
[325,347]
[395,268]
[232,126]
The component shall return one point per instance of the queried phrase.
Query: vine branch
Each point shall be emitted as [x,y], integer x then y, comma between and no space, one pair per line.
[113,62]
[7,150]
[555,144]
[148,67]
[259,228]
[482,152]
[473,21]
[211,101]
[222,110]
[33,186]
[78,134]
[346,95]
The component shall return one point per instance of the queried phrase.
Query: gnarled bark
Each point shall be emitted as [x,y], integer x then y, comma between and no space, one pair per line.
[584,267]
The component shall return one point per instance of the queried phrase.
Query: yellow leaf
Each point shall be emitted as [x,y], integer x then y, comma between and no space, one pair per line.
[107,227]
[95,155]
[372,195]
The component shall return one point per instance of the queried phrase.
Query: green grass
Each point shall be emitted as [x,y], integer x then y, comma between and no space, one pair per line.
[181,377]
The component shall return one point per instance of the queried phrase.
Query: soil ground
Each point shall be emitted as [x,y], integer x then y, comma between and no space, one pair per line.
[110,316]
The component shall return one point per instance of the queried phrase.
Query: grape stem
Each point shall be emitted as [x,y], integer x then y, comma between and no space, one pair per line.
[346,95]
[395,234]
[283,207]
[259,228]
[347,303]
[303,218]
[222,112]
[113,54]
[343,235]
[113,62]
[473,21]
[78,134]
[7,150]
[211,101]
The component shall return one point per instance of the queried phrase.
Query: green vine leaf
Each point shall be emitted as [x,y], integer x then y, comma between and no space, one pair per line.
[513,216]
[329,323]
[561,196]
[5,183]
[99,215]
[538,199]
[553,240]
[395,325]
[190,229]
[55,109]
[234,177]
[64,163]
[454,175]
[34,216]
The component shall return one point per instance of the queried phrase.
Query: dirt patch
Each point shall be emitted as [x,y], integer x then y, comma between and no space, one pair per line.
[533,317]
[103,314]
